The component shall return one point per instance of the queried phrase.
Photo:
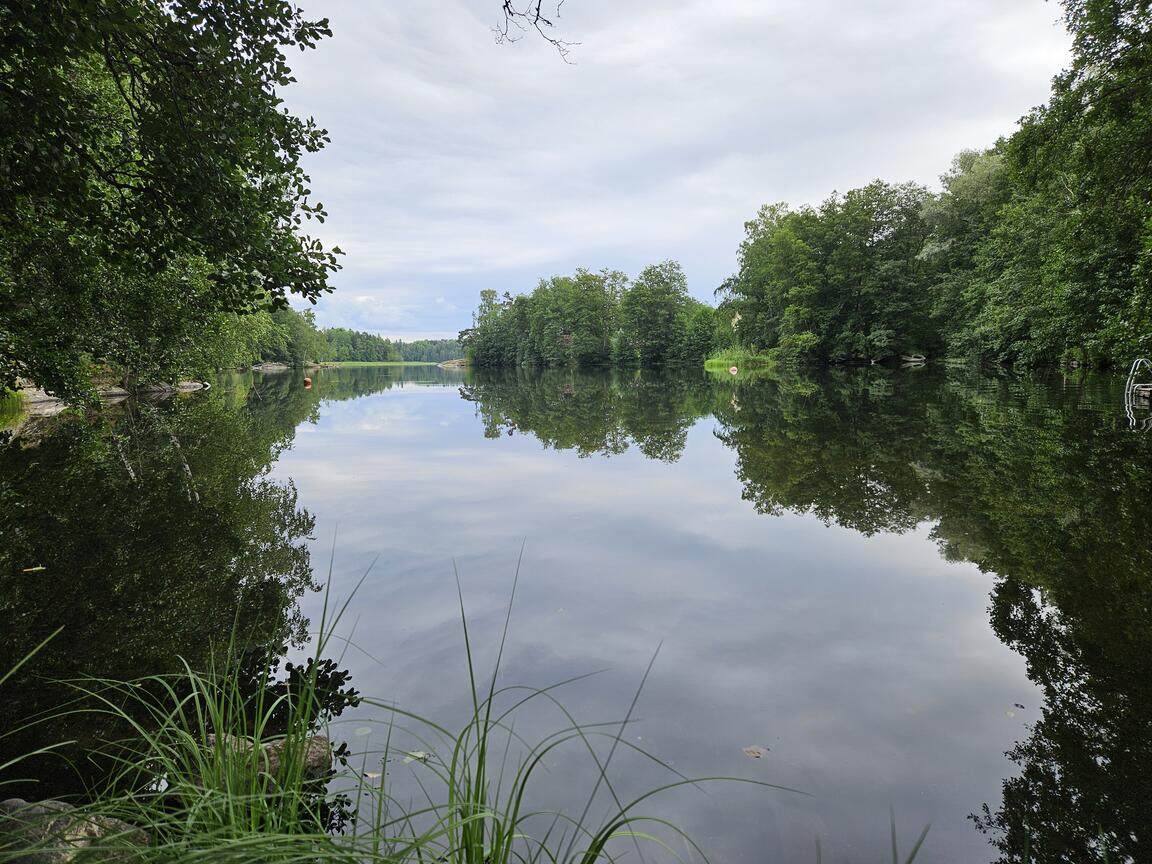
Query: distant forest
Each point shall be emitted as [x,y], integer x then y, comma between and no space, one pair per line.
[1037,250]
[340,344]
[291,337]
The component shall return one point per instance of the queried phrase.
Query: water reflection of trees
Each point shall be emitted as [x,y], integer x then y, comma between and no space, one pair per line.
[148,534]
[153,534]
[1056,502]
[592,414]
[1028,479]
[838,449]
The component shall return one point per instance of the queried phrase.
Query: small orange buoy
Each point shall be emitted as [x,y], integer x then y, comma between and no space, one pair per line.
[307,383]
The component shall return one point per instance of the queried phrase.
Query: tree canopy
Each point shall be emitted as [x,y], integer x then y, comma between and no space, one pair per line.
[152,178]
[594,319]
[840,282]
[1036,250]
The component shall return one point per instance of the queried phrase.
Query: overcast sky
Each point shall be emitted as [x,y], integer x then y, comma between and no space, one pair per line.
[457,164]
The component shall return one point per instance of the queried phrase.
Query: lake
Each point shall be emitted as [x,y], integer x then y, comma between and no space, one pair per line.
[915,593]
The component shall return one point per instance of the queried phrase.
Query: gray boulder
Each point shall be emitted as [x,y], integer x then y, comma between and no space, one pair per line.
[316,755]
[53,832]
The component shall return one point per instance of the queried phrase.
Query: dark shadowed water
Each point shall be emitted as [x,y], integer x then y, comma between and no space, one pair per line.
[921,592]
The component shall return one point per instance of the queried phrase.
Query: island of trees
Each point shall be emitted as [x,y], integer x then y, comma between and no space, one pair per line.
[594,319]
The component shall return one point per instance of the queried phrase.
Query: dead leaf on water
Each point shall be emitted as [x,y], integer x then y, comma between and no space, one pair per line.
[755,751]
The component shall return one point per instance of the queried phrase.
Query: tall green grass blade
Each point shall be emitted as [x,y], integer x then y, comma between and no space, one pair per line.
[919,842]
[19,663]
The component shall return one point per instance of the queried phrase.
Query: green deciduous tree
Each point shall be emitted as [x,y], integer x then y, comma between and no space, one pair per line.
[145,155]
[843,282]
[960,220]
[1073,249]
[593,319]
[652,314]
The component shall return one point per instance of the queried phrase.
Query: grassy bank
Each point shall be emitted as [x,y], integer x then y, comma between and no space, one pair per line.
[724,360]
[11,408]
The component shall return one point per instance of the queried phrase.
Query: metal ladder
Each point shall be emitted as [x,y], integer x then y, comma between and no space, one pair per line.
[1130,388]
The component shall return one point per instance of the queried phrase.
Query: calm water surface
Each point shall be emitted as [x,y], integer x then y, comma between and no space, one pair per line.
[924,592]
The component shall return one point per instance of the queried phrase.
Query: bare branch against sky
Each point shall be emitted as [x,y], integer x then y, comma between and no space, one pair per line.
[519,19]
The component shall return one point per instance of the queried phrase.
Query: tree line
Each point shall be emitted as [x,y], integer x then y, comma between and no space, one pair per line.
[155,201]
[1037,250]
[429,350]
[342,344]
[291,337]
[594,319]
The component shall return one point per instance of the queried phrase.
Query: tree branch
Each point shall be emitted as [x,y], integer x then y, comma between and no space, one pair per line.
[518,21]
